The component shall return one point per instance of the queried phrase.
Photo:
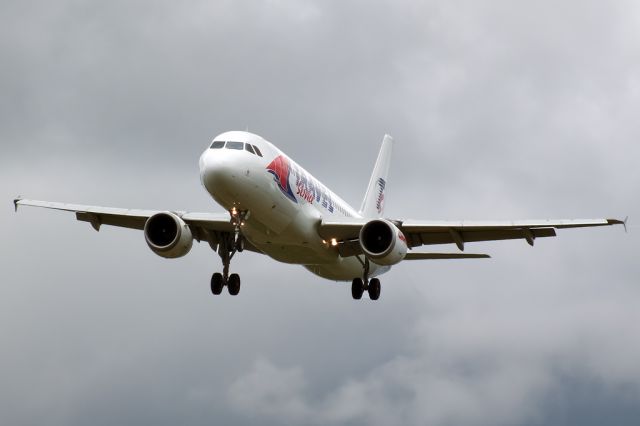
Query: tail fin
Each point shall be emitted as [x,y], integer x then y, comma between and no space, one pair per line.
[373,203]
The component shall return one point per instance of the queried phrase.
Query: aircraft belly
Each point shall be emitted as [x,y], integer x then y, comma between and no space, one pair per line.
[296,244]
[295,254]
[345,269]
[294,240]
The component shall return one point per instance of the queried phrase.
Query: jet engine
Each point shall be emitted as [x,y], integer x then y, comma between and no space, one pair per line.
[382,242]
[167,235]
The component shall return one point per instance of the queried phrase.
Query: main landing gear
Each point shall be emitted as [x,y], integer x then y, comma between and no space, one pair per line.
[359,285]
[228,246]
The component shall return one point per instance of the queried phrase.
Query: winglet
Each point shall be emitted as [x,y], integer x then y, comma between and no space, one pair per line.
[16,201]
[619,222]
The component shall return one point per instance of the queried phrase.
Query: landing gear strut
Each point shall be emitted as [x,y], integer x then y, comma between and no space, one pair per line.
[228,245]
[359,285]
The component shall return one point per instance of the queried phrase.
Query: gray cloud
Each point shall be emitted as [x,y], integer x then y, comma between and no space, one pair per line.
[499,110]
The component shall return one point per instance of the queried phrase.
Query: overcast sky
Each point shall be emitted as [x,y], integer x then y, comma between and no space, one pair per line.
[499,109]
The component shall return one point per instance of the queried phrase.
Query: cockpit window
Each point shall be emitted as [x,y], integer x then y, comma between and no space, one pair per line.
[235,145]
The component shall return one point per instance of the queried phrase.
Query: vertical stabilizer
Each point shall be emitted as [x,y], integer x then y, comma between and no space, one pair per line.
[373,203]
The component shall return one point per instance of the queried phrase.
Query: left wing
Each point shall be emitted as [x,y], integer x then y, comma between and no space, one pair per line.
[460,232]
[419,233]
[204,226]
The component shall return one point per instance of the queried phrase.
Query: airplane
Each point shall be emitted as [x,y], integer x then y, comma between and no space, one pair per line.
[275,207]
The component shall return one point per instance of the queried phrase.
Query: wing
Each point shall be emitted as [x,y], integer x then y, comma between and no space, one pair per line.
[455,232]
[204,226]
[424,233]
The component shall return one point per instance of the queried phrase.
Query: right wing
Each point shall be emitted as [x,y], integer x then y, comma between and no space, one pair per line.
[204,226]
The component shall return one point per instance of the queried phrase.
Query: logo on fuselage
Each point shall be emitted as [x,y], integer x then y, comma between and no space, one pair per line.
[281,171]
[307,188]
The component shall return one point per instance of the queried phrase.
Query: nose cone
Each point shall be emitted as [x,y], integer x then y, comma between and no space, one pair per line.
[216,171]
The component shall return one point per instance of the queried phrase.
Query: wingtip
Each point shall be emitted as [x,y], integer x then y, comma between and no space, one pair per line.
[619,222]
[479,256]
[16,201]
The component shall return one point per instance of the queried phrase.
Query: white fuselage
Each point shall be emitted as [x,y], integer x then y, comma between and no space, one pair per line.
[285,205]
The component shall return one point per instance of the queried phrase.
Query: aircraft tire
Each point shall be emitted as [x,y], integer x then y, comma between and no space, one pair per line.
[234,284]
[357,288]
[217,283]
[374,289]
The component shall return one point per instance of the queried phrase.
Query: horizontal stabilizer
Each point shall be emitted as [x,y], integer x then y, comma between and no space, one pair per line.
[426,256]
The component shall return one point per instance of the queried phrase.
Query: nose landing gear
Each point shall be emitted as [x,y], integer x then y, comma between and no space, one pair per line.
[238,218]
[228,245]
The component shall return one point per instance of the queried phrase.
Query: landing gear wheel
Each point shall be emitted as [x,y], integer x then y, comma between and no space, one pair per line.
[234,284]
[357,288]
[217,283]
[227,246]
[374,289]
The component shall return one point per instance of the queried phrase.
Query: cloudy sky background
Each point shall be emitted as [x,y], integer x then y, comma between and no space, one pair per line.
[500,110]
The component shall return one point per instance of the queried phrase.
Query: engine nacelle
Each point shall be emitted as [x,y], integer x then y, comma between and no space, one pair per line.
[167,235]
[382,242]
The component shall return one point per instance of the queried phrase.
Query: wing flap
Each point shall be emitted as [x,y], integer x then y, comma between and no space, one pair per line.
[427,226]
[459,232]
[438,256]
[98,219]
[475,235]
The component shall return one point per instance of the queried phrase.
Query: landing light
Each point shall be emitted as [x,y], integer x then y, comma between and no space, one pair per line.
[334,242]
